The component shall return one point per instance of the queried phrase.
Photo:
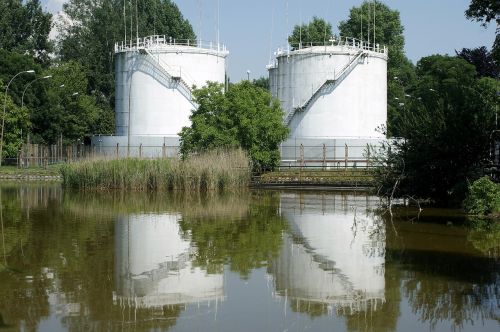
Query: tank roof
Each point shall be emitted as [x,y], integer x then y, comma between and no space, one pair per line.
[342,45]
[163,42]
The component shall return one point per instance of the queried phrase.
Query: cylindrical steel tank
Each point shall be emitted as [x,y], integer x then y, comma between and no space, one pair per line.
[154,80]
[335,90]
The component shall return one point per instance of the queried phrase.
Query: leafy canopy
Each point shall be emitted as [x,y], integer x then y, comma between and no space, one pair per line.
[318,31]
[245,116]
[485,11]
[483,60]
[446,124]
[483,197]
[25,28]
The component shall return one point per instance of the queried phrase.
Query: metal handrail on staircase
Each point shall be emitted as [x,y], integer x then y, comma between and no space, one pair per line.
[346,70]
[163,68]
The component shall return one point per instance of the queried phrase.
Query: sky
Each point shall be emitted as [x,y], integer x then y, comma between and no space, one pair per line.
[253,29]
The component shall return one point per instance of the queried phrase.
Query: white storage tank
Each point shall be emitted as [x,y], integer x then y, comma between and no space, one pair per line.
[335,90]
[154,80]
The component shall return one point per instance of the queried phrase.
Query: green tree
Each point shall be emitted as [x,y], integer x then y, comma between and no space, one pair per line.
[485,11]
[63,113]
[95,26]
[17,122]
[245,116]
[388,32]
[262,82]
[25,28]
[16,125]
[483,60]
[446,126]
[316,32]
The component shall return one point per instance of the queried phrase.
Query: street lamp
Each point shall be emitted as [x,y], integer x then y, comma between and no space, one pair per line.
[248,74]
[29,84]
[31,71]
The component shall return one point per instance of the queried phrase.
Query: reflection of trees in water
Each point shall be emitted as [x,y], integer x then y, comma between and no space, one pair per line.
[244,243]
[447,287]
[442,274]
[72,234]
[485,237]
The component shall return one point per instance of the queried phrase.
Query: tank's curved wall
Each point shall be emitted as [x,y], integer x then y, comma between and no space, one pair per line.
[159,104]
[354,108]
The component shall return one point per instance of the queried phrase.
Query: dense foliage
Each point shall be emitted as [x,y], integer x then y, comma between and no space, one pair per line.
[245,116]
[24,28]
[388,32]
[446,124]
[483,197]
[483,60]
[316,32]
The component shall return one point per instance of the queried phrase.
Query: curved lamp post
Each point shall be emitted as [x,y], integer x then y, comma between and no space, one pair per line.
[29,84]
[5,108]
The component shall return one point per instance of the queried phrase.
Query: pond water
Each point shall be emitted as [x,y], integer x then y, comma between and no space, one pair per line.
[254,261]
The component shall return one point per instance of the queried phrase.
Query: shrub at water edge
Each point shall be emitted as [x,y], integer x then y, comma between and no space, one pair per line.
[483,197]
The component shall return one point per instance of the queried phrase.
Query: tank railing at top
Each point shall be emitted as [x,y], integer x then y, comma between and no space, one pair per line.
[349,42]
[163,40]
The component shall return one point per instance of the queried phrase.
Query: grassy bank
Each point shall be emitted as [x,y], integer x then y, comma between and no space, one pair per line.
[336,178]
[206,172]
[8,173]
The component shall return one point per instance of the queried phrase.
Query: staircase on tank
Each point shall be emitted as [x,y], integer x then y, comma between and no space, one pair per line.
[162,67]
[346,70]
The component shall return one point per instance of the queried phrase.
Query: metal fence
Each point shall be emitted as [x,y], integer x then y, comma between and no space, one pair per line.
[37,155]
[304,154]
[329,154]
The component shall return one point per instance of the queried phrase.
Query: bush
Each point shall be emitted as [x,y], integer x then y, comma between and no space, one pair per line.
[483,197]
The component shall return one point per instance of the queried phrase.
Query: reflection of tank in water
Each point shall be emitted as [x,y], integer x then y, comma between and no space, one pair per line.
[153,266]
[331,255]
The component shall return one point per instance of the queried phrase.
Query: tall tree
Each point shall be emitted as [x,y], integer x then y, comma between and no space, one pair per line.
[64,113]
[482,59]
[485,11]
[388,32]
[316,32]
[245,116]
[25,28]
[446,126]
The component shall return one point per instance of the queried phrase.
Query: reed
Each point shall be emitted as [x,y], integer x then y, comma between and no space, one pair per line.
[211,171]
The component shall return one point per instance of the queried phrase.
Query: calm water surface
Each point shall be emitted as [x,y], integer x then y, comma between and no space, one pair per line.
[256,261]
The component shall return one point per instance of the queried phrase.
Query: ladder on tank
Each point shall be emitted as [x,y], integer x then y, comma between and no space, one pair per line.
[332,83]
[161,66]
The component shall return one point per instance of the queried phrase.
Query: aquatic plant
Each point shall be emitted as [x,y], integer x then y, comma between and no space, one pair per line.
[215,170]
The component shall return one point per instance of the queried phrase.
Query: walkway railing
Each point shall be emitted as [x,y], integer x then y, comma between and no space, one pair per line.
[163,40]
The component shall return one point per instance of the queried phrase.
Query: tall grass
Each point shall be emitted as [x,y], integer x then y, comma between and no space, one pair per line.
[216,170]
